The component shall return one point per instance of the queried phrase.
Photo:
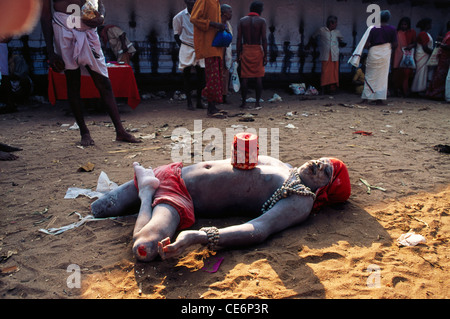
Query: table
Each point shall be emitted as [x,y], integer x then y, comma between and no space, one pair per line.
[122,80]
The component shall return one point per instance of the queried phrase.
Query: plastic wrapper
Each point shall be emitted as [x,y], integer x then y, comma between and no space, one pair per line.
[88,9]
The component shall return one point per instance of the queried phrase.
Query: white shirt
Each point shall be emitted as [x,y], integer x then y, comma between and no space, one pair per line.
[328,42]
[183,26]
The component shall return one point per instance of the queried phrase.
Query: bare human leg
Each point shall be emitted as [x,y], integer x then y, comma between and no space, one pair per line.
[244,89]
[152,224]
[103,85]
[73,79]
[259,88]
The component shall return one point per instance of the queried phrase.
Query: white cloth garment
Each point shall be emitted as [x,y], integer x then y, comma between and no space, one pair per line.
[420,80]
[183,27]
[356,56]
[377,72]
[78,47]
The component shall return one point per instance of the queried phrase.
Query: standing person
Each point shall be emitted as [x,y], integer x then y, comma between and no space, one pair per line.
[5,84]
[69,49]
[119,43]
[381,41]
[206,18]
[184,35]
[406,41]
[424,49]
[330,39]
[251,49]
[226,14]
[437,87]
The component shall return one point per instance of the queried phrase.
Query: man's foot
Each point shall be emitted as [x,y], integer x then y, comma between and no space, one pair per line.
[8,148]
[4,156]
[127,137]
[86,140]
[381,102]
[145,179]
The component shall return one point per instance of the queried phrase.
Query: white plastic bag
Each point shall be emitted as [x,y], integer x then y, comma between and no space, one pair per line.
[411,239]
[235,78]
[408,59]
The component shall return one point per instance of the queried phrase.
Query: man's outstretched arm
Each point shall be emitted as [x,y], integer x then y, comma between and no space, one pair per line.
[286,213]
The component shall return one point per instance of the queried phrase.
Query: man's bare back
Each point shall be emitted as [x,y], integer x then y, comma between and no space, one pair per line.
[253,29]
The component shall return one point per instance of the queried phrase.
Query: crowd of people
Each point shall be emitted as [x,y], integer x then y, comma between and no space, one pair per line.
[397,58]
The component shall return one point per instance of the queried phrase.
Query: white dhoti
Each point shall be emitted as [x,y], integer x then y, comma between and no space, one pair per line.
[78,47]
[420,80]
[377,72]
[187,57]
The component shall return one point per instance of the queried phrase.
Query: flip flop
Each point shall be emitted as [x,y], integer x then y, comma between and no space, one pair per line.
[217,115]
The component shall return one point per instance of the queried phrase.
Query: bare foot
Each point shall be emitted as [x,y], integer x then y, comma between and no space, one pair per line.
[4,156]
[86,140]
[126,137]
[146,181]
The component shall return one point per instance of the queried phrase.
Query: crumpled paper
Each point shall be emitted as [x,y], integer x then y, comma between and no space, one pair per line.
[104,185]
[411,239]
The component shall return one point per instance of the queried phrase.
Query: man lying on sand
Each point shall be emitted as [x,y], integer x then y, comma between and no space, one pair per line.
[275,194]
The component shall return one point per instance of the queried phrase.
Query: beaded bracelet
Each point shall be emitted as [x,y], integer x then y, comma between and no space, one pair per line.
[213,236]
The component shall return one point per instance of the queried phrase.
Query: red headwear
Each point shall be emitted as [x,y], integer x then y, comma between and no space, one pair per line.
[338,190]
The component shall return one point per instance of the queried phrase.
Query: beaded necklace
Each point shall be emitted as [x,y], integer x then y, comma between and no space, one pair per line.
[292,185]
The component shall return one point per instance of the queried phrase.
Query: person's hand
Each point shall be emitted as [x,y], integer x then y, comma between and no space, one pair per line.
[94,22]
[218,26]
[56,62]
[185,239]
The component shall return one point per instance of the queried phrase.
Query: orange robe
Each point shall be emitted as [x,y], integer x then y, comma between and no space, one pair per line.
[330,72]
[204,12]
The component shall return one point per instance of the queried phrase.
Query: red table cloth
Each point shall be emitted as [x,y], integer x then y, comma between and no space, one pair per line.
[122,80]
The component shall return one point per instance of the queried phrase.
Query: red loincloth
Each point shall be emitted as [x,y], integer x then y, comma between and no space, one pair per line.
[252,64]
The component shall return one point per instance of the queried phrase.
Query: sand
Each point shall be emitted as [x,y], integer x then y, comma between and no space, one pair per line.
[349,251]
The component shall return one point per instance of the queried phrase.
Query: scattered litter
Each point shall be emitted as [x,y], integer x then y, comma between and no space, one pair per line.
[212,265]
[275,98]
[363,133]
[88,167]
[74,127]
[311,91]
[370,187]
[179,96]
[9,270]
[60,230]
[10,253]
[104,185]
[290,126]
[298,88]
[391,112]
[74,192]
[247,117]
[411,239]
[291,113]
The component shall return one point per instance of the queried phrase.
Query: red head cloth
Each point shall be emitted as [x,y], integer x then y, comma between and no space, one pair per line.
[338,190]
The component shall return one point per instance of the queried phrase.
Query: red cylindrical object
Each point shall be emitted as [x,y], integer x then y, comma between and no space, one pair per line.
[245,151]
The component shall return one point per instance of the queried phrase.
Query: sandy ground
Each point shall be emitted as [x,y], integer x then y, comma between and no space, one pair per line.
[350,251]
